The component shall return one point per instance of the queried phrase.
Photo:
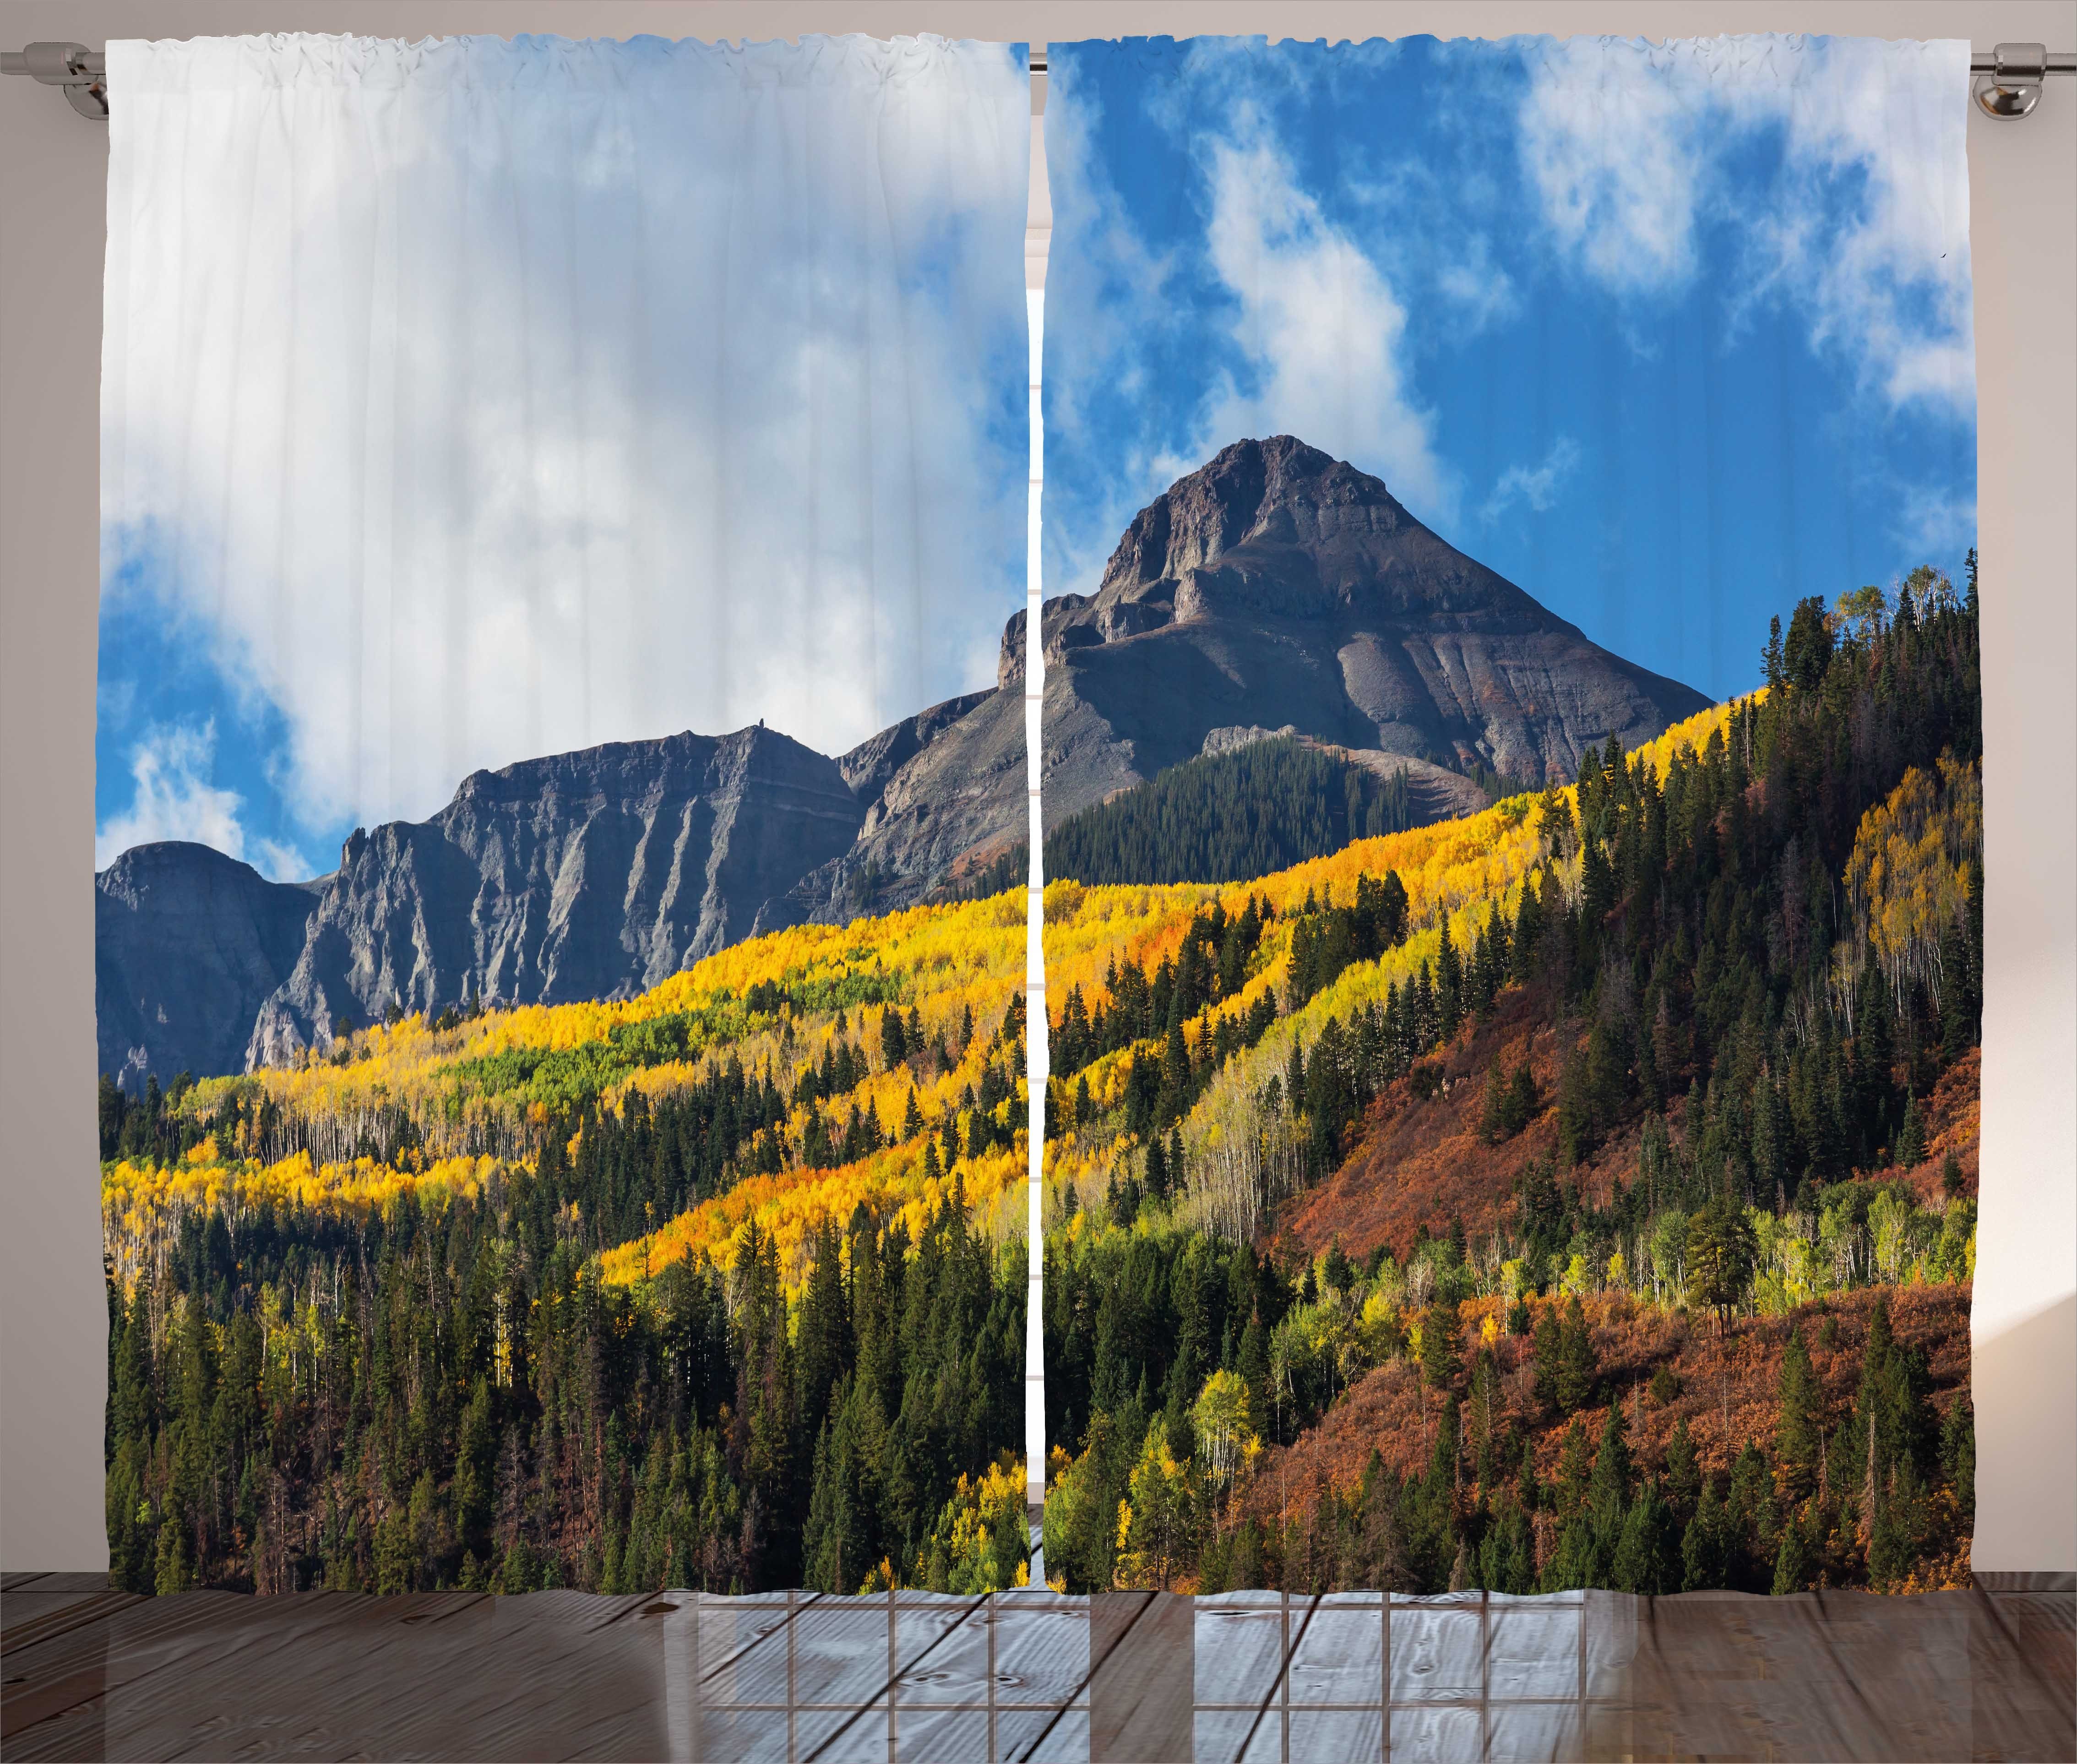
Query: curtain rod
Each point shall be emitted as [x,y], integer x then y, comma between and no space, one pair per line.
[2008,84]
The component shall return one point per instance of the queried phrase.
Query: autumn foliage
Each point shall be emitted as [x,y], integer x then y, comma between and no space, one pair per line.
[721,1286]
[1385,1187]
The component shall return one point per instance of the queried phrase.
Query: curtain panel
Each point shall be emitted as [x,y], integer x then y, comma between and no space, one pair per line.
[563,505]
[1509,744]
[1513,832]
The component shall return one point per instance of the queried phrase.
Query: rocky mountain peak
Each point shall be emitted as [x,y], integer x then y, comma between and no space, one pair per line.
[1277,585]
[1276,492]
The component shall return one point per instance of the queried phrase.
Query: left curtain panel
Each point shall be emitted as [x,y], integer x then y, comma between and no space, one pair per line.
[559,944]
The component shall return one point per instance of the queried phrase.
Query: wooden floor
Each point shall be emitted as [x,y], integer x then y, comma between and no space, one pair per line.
[917,1677]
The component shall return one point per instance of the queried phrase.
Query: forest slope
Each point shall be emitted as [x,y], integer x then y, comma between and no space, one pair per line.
[1690,1043]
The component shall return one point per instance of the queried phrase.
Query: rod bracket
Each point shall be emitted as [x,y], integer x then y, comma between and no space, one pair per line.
[80,72]
[2011,88]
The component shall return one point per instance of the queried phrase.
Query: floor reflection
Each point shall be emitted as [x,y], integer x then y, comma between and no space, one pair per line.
[929,1679]
[1258,1677]
[910,1675]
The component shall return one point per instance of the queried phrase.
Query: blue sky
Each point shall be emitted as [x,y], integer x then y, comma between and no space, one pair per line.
[181,750]
[471,400]
[1670,337]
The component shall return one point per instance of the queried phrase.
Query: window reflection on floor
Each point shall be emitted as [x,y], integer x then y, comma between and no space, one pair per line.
[1242,1676]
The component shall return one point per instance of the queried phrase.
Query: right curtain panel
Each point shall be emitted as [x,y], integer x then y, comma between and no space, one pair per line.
[1512,810]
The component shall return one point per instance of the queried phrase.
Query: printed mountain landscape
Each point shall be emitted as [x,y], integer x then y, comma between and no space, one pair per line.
[1274,592]
[1508,1123]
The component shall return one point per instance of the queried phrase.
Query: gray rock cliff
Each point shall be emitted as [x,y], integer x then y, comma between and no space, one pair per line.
[186,944]
[956,800]
[589,874]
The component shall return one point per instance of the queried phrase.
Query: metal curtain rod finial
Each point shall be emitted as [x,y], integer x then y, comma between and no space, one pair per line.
[2008,83]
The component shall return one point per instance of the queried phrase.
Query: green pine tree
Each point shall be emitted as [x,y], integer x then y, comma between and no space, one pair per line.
[1683,1476]
[1702,1551]
[1793,1563]
[1577,1365]
[1720,1258]
[1440,1334]
[1910,1149]
[1647,1556]
[1798,1419]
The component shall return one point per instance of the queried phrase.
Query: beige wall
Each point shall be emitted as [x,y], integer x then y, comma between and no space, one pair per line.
[2024,249]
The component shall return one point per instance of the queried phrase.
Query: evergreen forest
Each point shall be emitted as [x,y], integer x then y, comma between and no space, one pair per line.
[1231,817]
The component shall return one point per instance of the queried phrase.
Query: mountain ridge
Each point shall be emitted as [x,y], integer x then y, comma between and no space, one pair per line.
[1273,588]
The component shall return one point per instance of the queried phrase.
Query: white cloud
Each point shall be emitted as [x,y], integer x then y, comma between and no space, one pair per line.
[573,394]
[1320,328]
[1536,485]
[1872,236]
[1483,292]
[174,799]
[1613,149]
[1862,228]
[1934,526]
[1103,300]
[1315,343]
[1316,348]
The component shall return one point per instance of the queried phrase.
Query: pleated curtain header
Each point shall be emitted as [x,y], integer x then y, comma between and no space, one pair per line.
[285,58]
